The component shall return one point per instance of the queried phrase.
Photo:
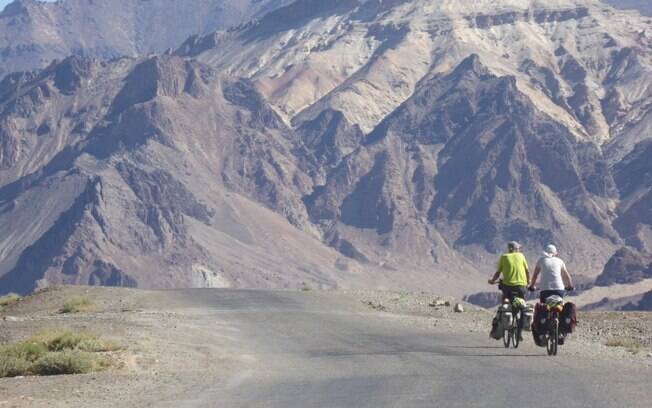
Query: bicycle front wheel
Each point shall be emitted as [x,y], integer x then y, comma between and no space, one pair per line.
[517,332]
[553,339]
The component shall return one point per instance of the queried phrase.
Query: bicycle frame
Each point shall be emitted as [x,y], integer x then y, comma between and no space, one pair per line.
[552,329]
[512,333]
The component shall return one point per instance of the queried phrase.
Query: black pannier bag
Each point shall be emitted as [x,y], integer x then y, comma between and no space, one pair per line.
[539,324]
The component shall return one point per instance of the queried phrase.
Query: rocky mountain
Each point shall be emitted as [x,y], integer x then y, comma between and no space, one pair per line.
[633,174]
[33,33]
[638,302]
[578,103]
[642,303]
[118,174]
[345,143]
[625,266]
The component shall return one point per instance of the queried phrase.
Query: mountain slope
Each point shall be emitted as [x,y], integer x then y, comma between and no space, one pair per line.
[466,158]
[129,182]
[634,177]
[33,33]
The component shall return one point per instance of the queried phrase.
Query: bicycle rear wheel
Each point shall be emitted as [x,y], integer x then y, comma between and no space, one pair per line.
[553,339]
[517,332]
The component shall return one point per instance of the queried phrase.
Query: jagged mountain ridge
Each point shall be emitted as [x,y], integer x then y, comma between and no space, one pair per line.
[590,71]
[372,54]
[33,33]
[136,194]
[415,172]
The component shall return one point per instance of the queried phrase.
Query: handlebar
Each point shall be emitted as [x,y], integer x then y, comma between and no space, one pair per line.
[567,288]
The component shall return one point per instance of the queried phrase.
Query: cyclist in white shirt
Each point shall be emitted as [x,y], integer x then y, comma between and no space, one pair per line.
[555,279]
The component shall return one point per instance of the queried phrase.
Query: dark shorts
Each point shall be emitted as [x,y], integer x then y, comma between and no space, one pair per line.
[511,292]
[545,294]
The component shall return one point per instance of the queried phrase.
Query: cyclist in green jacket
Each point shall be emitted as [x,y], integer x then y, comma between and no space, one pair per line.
[516,276]
[514,269]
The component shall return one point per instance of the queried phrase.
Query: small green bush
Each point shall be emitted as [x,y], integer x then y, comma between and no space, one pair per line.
[27,350]
[60,341]
[53,353]
[8,300]
[632,345]
[13,367]
[76,305]
[68,362]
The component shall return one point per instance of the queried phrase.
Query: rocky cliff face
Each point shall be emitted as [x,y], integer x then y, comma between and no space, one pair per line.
[524,146]
[33,33]
[465,158]
[387,144]
[634,178]
[147,172]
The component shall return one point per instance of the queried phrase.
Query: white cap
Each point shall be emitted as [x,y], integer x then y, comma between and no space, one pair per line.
[550,250]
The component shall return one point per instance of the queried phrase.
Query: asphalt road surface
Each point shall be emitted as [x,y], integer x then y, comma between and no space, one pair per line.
[318,350]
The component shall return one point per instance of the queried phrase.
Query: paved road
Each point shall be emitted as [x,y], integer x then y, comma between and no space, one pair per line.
[320,350]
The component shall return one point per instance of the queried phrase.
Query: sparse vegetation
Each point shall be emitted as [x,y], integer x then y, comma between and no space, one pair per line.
[77,304]
[8,300]
[62,340]
[69,362]
[632,345]
[54,353]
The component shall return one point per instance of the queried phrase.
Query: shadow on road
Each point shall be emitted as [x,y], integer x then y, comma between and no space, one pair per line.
[439,352]
[477,347]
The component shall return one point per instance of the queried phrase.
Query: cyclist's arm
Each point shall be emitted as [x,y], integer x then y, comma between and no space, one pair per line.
[495,277]
[526,269]
[568,281]
[537,271]
[498,271]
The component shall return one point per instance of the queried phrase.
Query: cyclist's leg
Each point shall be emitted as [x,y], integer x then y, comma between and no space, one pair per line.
[520,291]
[507,293]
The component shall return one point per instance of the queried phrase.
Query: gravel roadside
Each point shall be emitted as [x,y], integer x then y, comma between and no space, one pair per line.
[623,335]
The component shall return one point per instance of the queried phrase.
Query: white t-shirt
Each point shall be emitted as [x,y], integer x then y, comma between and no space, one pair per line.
[551,268]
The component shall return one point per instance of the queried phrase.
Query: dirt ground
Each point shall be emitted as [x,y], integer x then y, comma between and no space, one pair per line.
[169,346]
[594,330]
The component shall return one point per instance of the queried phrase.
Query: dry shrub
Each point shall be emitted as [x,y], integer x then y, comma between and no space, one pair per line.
[632,345]
[53,353]
[68,362]
[8,300]
[77,304]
